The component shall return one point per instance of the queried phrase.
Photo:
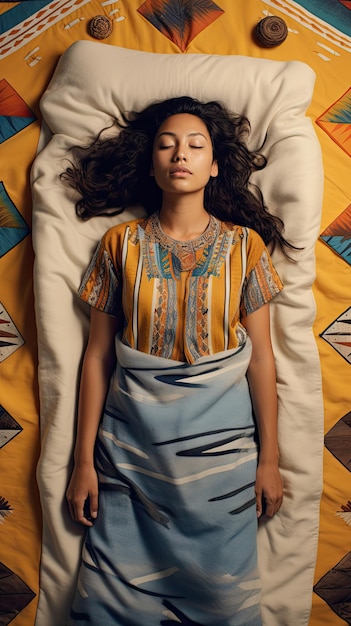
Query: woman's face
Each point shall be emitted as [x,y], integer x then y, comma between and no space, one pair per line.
[182,160]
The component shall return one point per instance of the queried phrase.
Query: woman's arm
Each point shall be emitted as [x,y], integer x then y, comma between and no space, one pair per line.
[98,364]
[261,376]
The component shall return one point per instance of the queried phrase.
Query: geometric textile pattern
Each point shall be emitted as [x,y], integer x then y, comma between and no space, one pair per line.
[5,509]
[338,441]
[336,121]
[10,338]
[19,12]
[338,235]
[14,595]
[26,20]
[14,113]
[335,589]
[180,20]
[9,428]
[338,334]
[345,513]
[334,12]
[13,228]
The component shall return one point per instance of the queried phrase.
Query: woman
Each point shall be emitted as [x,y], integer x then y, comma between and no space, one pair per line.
[168,480]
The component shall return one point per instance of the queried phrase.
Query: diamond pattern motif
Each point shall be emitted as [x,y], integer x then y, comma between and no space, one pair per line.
[14,595]
[15,115]
[9,428]
[338,335]
[180,20]
[338,235]
[10,337]
[336,122]
[338,441]
[13,228]
[334,588]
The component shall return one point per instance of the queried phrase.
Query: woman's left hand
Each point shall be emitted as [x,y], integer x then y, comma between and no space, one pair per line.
[268,489]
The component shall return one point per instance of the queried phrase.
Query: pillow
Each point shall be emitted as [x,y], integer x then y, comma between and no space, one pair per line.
[92,84]
[95,81]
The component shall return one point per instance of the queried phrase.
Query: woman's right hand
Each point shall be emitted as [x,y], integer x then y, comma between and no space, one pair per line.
[82,494]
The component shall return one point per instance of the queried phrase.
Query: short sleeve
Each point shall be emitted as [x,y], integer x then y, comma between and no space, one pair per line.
[262,282]
[101,285]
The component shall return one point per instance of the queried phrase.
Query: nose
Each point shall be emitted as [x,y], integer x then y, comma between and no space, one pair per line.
[180,156]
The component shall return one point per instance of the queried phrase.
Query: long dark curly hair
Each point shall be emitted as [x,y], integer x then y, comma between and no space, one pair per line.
[114,172]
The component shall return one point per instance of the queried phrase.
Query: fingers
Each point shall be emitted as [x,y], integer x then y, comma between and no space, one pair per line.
[83,508]
[77,511]
[259,503]
[267,506]
[268,489]
[82,494]
[272,507]
[94,505]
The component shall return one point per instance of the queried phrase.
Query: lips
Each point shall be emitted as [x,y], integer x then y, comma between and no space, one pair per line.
[180,170]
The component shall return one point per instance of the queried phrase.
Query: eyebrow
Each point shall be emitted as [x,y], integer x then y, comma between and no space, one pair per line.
[174,134]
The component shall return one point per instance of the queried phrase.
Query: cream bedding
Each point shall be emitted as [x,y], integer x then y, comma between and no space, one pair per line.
[92,84]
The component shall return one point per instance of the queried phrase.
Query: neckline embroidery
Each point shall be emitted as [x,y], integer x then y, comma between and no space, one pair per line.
[184,251]
[200,257]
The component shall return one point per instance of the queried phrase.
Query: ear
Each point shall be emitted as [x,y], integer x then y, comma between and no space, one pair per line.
[214,169]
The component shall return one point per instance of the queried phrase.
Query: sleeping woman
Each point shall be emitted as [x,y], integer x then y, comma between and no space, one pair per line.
[176,453]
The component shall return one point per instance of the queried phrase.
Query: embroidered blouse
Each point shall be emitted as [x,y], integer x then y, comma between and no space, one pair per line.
[180,299]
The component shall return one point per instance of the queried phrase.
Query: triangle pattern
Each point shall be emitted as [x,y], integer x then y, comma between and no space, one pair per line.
[180,20]
[10,338]
[15,115]
[334,588]
[338,441]
[338,235]
[9,428]
[14,595]
[5,510]
[336,122]
[338,335]
[345,516]
[13,227]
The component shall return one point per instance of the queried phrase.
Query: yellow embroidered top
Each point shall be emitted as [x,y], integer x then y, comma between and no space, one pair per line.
[180,299]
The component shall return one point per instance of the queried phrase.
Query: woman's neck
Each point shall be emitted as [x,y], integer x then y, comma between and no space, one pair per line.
[183,221]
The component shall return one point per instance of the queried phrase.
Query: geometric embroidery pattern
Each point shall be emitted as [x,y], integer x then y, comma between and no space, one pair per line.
[14,595]
[15,115]
[338,334]
[338,441]
[336,122]
[9,428]
[180,20]
[345,513]
[328,19]
[334,13]
[5,511]
[338,235]
[25,21]
[334,588]
[13,228]
[10,338]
